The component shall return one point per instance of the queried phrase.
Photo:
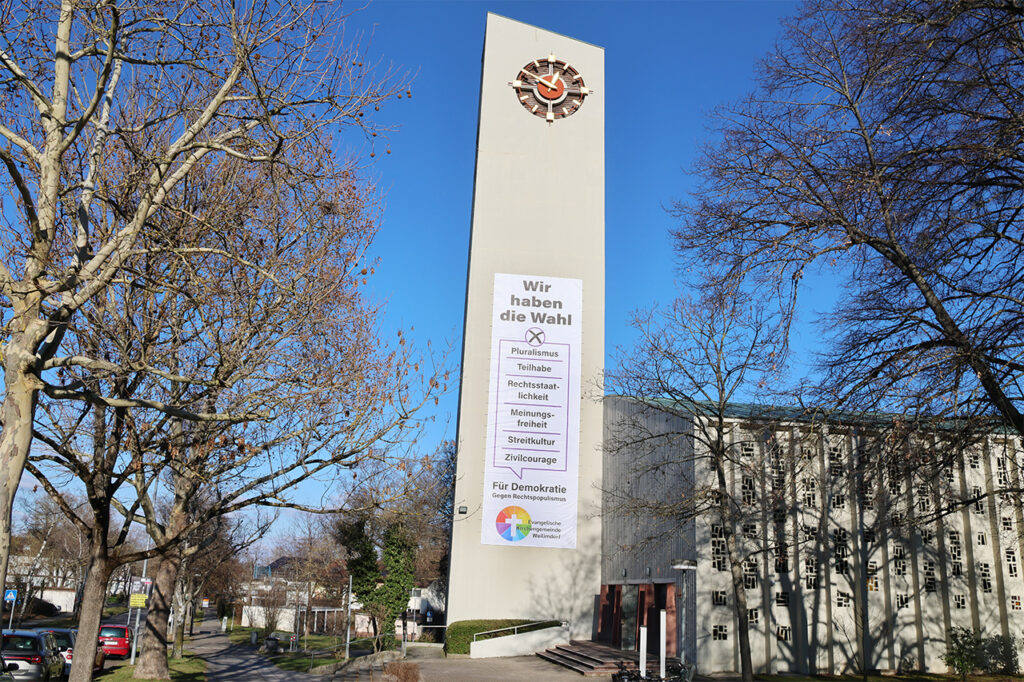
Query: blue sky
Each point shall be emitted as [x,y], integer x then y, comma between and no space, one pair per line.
[668,64]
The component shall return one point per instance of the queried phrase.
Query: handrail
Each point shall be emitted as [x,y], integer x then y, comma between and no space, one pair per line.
[515,628]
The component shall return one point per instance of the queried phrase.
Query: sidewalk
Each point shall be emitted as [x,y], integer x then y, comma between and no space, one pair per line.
[515,668]
[227,662]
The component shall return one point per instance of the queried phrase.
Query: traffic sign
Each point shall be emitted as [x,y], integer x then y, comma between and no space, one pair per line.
[10,595]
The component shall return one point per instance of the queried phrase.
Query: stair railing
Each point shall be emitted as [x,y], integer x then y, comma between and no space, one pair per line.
[516,628]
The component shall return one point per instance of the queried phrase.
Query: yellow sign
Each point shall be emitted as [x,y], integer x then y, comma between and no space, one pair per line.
[137,601]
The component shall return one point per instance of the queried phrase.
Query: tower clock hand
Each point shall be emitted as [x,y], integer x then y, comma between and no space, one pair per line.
[540,79]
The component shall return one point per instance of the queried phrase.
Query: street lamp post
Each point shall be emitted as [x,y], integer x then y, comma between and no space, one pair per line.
[684,565]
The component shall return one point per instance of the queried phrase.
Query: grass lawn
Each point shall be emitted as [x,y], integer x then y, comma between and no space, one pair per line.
[296,661]
[240,635]
[187,669]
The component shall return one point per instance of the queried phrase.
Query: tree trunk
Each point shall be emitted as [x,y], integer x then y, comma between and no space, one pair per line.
[152,661]
[17,415]
[179,621]
[735,564]
[309,609]
[91,613]
[740,597]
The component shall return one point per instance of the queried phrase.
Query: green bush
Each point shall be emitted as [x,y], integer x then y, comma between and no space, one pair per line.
[963,651]
[999,655]
[460,633]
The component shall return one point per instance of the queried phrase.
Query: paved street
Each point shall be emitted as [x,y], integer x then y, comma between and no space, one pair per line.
[227,662]
[231,663]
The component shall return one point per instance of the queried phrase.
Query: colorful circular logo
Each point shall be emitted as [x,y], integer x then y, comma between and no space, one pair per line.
[513,524]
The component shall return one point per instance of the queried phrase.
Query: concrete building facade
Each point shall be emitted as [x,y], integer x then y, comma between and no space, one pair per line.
[860,550]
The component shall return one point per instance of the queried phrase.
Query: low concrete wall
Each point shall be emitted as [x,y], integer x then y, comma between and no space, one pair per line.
[520,645]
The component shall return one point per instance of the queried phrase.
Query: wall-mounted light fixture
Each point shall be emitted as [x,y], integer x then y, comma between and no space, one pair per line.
[463,510]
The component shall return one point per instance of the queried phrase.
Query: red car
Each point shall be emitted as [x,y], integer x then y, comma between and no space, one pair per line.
[116,640]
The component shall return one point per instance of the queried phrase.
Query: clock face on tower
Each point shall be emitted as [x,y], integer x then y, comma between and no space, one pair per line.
[550,88]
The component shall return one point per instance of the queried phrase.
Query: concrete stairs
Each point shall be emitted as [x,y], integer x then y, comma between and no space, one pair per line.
[592,659]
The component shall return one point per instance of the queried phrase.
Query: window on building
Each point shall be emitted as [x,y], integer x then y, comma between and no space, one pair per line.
[1007,523]
[718,598]
[807,452]
[835,453]
[779,515]
[895,520]
[869,536]
[924,503]
[902,601]
[899,562]
[985,577]
[749,494]
[810,493]
[979,500]
[750,574]
[930,585]
[781,557]
[950,475]
[747,449]
[838,501]
[956,567]
[974,459]
[1011,563]
[782,598]
[753,616]
[811,574]
[1015,602]
[865,493]
[872,576]
[982,539]
[720,633]
[927,537]
[1001,474]
[718,561]
[843,599]
[750,530]
[960,601]
[808,533]
[784,633]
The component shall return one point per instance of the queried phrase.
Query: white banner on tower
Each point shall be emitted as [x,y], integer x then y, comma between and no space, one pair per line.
[531,473]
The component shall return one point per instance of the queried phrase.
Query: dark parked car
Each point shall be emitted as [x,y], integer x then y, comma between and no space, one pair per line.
[66,639]
[116,640]
[32,656]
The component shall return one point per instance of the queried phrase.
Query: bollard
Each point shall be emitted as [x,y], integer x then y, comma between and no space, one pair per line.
[643,651]
[661,658]
[252,637]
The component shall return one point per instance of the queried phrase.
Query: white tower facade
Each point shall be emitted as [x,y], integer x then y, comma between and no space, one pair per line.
[526,539]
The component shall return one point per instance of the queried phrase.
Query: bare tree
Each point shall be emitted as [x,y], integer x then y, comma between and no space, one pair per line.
[215,569]
[882,145]
[107,109]
[691,362]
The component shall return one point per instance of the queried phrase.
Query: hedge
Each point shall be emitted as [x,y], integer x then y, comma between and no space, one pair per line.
[460,633]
